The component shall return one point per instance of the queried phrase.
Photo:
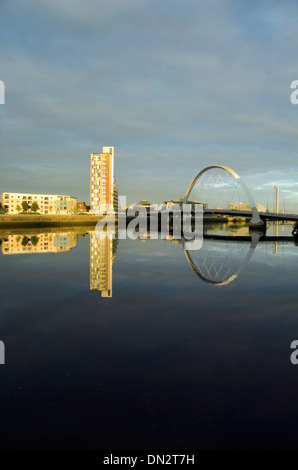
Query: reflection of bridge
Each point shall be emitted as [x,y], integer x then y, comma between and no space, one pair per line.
[263,238]
[222,257]
[219,262]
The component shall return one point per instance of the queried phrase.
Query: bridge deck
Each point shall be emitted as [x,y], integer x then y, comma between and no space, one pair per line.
[263,215]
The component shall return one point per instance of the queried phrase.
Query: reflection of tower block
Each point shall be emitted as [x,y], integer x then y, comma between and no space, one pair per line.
[102,255]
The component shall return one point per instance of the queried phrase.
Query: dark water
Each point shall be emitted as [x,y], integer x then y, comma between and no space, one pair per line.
[167,361]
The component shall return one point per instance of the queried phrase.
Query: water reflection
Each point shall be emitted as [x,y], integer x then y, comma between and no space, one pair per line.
[102,255]
[167,352]
[226,250]
[219,262]
[31,243]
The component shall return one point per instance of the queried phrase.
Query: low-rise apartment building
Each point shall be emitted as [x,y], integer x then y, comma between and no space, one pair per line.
[47,203]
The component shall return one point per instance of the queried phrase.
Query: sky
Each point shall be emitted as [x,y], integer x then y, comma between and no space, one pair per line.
[173,85]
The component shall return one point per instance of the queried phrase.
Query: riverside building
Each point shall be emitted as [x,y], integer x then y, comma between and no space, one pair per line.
[47,203]
[103,190]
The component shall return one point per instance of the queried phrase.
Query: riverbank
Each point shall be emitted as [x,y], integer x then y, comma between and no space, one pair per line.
[37,221]
[66,221]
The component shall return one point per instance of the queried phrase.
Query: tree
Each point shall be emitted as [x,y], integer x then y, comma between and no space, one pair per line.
[34,239]
[18,208]
[1,207]
[25,241]
[25,206]
[34,207]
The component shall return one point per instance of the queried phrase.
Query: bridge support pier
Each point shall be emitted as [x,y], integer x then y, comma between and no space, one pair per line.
[256,220]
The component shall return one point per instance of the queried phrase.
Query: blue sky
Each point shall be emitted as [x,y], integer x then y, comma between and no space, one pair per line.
[173,85]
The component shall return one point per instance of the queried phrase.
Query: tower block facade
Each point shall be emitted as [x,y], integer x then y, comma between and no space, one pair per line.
[103,191]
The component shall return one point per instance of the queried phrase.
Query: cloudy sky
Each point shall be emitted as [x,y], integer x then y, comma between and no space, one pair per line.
[174,85]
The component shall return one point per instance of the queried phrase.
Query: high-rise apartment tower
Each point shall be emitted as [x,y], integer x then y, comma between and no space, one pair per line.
[103,192]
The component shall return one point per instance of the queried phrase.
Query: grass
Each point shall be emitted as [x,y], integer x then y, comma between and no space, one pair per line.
[28,213]
[38,213]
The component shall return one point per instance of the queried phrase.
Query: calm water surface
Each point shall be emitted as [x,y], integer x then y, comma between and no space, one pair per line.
[174,351]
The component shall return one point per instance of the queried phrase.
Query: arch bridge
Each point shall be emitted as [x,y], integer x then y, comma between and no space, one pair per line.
[255,219]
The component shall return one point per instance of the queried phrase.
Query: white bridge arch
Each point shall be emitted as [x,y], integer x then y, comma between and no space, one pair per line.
[255,220]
